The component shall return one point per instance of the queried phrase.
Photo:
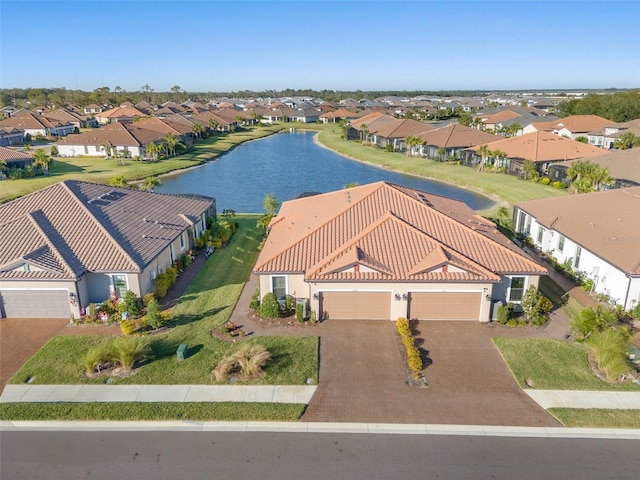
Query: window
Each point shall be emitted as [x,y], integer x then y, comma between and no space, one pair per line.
[561,243]
[120,284]
[527,227]
[576,263]
[183,240]
[516,289]
[540,234]
[279,287]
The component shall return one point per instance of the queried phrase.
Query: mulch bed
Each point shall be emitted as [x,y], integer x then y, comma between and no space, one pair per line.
[281,322]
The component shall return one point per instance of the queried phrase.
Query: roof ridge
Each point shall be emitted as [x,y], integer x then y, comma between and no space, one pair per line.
[99,225]
[349,244]
[56,252]
[349,205]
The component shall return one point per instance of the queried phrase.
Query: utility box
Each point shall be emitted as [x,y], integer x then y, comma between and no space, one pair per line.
[305,306]
[494,309]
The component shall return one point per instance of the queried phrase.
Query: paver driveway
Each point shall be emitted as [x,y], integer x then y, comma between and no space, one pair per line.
[362,378]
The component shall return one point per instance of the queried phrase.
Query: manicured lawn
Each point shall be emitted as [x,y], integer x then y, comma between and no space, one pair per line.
[98,169]
[207,303]
[552,365]
[129,411]
[499,186]
[597,417]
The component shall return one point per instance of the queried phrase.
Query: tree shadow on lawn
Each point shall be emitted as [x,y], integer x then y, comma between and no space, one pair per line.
[185,319]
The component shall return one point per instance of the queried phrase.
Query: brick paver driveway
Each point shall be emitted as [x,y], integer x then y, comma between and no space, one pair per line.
[362,378]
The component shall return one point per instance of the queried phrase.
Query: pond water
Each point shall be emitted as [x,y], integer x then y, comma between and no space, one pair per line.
[286,165]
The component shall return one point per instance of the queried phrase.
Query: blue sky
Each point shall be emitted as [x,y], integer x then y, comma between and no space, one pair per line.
[338,45]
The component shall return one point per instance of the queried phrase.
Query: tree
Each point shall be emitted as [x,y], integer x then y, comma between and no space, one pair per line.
[364,132]
[3,168]
[503,217]
[152,151]
[529,170]
[626,141]
[465,119]
[497,155]
[147,89]
[270,206]
[591,320]
[213,125]
[120,181]
[484,153]
[197,130]
[442,152]
[582,139]
[42,160]
[171,142]
[412,142]
[149,184]
[587,177]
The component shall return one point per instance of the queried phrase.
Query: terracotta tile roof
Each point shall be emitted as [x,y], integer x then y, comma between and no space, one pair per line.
[116,134]
[605,223]
[340,113]
[542,147]
[63,115]
[7,154]
[373,122]
[394,232]
[622,164]
[583,123]
[402,128]
[72,227]
[457,136]
[121,111]
[206,116]
[499,117]
[30,121]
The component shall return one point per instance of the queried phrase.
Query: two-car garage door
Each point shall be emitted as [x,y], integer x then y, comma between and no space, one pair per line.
[34,304]
[356,305]
[444,305]
[420,305]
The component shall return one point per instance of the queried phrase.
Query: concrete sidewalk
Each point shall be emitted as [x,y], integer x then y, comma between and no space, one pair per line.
[585,399]
[158,393]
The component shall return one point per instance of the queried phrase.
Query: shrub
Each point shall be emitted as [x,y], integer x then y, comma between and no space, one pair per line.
[147,298]
[93,311]
[269,308]
[132,304]
[248,361]
[414,361]
[108,307]
[545,180]
[587,285]
[288,304]
[591,320]
[536,307]
[505,313]
[127,327]
[635,312]
[609,348]
[313,318]
[300,312]
[388,148]
[154,317]
[129,350]
[254,304]
[96,358]
[558,185]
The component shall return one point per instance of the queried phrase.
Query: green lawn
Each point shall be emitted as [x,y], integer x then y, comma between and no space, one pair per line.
[597,417]
[98,169]
[207,303]
[129,411]
[498,186]
[552,365]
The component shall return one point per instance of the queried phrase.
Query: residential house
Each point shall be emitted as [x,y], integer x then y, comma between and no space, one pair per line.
[37,125]
[623,167]
[121,114]
[395,133]
[542,148]
[68,116]
[606,137]
[304,115]
[382,251]
[362,127]
[580,125]
[335,116]
[597,234]
[10,136]
[14,159]
[92,109]
[81,242]
[451,140]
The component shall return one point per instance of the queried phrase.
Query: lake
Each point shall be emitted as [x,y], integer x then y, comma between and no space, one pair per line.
[286,165]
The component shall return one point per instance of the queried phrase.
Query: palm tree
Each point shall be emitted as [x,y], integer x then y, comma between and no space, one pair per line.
[600,177]
[442,152]
[42,160]
[213,125]
[3,168]
[364,132]
[149,184]
[484,153]
[197,130]
[171,142]
[503,216]
[497,156]
[412,142]
[152,151]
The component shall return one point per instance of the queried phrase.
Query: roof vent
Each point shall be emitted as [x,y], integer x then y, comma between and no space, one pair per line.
[144,235]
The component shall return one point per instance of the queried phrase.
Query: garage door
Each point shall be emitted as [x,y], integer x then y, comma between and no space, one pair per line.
[445,305]
[35,303]
[356,305]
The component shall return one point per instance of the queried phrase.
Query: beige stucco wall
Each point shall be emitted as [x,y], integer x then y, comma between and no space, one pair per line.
[67,285]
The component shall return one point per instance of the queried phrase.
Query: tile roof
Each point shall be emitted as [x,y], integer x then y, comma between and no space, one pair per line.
[121,111]
[606,223]
[457,136]
[72,227]
[542,147]
[30,121]
[402,128]
[394,231]
[622,164]
[583,123]
[8,154]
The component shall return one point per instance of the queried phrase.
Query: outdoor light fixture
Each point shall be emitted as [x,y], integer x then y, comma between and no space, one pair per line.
[315,296]
[397,295]
[405,296]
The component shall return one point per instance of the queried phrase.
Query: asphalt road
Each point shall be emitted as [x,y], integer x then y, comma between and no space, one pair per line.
[243,455]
